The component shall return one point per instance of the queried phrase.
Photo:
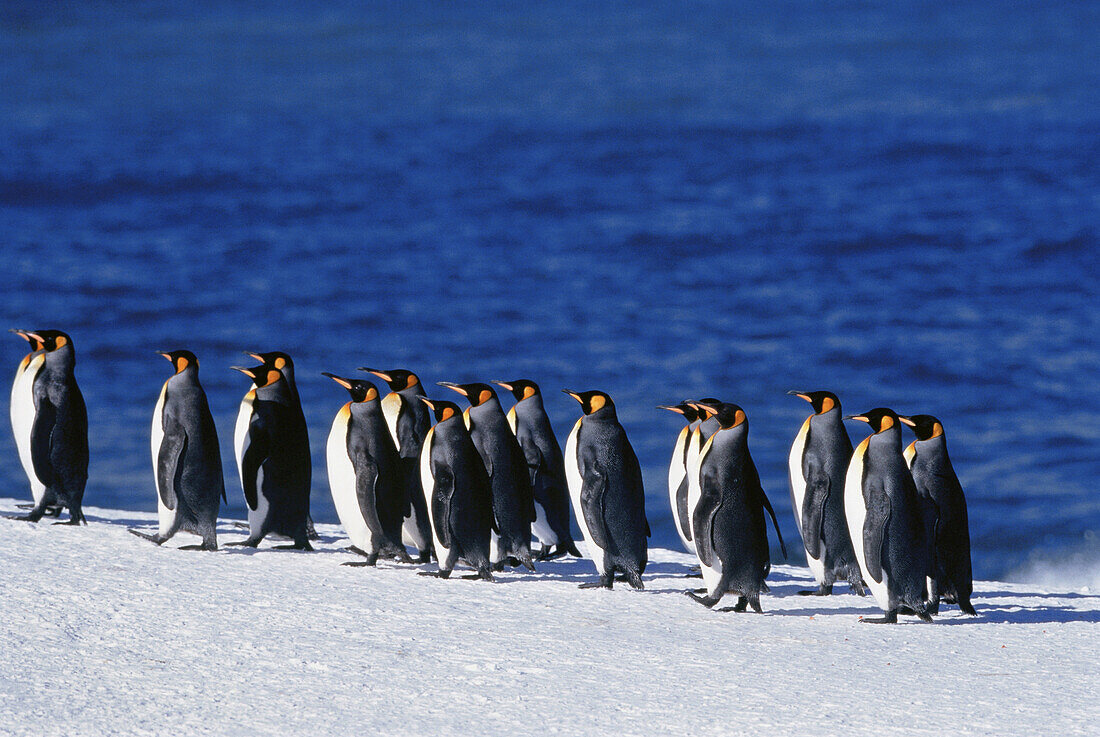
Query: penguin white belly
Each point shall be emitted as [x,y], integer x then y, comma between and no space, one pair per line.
[541,527]
[798,496]
[575,482]
[241,442]
[391,410]
[512,421]
[22,419]
[712,574]
[442,552]
[410,531]
[677,470]
[165,516]
[855,509]
[342,485]
[692,472]
[495,553]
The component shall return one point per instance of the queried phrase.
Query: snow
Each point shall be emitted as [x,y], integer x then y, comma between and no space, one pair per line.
[104,633]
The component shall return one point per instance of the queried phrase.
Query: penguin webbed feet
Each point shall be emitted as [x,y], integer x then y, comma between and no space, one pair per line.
[708,601]
[891,617]
[155,539]
[210,546]
[302,545]
[483,574]
[825,589]
[75,518]
[435,574]
[248,542]
[606,581]
[53,510]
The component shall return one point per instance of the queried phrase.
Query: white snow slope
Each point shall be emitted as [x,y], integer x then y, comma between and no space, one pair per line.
[104,633]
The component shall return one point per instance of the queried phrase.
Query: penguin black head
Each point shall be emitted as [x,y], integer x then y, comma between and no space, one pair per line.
[728,415]
[925,427]
[396,379]
[477,393]
[700,406]
[261,375]
[50,340]
[822,401]
[32,338]
[683,408]
[273,359]
[181,359]
[879,419]
[592,401]
[521,388]
[442,409]
[361,391]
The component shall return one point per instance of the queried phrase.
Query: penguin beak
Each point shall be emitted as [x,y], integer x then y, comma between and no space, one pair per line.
[257,356]
[907,421]
[342,382]
[574,395]
[22,334]
[503,384]
[380,374]
[670,409]
[803,395]
[454,387]
[166,354]
[428,402]
[250,373]
[861,418]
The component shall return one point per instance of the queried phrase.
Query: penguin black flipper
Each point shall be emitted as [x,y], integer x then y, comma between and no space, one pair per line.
[366,490]
[523,479]
[254,457]
[441,503]
[169,469]
[710,501]
[754,482]
[813,505]
[45,419]
[592,493]
[874,534]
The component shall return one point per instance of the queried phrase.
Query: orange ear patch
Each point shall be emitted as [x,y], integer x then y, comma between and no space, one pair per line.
[60,342]
[447,414]
[372,394]
[738,418]
[411,381]
[886,424]
[528,392]
[827,404]
[937,430]
[597,402]
[484,396]
[272,377]
[280,363]
[181,364]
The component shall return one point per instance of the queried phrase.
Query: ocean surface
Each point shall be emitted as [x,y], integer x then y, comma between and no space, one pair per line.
[897,202]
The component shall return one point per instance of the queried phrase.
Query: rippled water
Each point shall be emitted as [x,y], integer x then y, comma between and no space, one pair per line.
[900,205]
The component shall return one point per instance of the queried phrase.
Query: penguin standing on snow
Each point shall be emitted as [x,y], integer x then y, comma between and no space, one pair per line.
[22,415]
[408,421]
[457,491]
[605,484]
[816,467]
[273,456]
[546,467]
[513,503]
[364,475]
[677,473]
[883,511]
[187,464]
[935,478]
[55,429]
[728,525]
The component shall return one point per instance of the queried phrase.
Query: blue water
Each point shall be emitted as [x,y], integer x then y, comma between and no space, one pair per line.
[901,204]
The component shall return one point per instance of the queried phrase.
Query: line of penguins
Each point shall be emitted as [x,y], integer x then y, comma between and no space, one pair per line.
[475,486]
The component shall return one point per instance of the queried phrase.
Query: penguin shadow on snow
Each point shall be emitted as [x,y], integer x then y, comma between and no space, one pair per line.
[997,614]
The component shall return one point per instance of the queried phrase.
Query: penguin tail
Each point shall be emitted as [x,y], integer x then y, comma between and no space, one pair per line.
[635,580]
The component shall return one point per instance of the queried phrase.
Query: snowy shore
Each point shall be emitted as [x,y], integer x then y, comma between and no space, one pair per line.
[104,633]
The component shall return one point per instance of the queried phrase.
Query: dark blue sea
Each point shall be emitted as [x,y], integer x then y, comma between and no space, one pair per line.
[899,202]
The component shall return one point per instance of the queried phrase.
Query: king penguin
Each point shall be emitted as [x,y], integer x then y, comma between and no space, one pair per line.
[408,421]
[605,485]
[936,480]
[816,467]
[22,415]
[884,520]
[546,467]
[273,456]
[513,503]
[364,475]
[187,464]
[677,473]
[53,426]
[456,488]
[728,525]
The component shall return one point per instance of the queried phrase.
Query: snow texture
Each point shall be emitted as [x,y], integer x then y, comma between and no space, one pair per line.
[104,633]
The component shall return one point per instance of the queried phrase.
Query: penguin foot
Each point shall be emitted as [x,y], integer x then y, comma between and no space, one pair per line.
[359,564]
[707,601]
[155,539]
[605,582]
[357,551]
[311,532]
[526,562]
[50,511]
[967,608]
[825,589]
[211,546]
[302,545]
[402,556]
[74,519]
[435,574]
[742,602]
[247,542]
[425,557]
[483,574]
[32,517]
[891,617]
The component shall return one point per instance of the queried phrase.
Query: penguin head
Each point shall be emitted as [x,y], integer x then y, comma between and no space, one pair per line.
[181,359]
[684,408]
[32,338]
[273,359]
[925,427]
[396,379]
[701,406]
[361,391]
[477,393]
[880,419]
[593,402]
[442,409]
[261,375]
[822,401]
[521,388]
[728,415]
[48,340]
